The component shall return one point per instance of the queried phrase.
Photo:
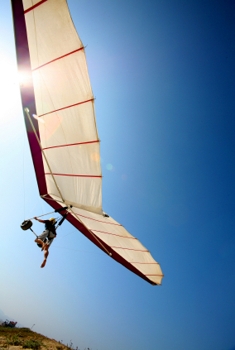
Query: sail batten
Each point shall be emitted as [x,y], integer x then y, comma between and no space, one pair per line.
[58,58]
[34,6]
[66,107]
[65,145]
[135,250]
[72,144]
[74,175]
[113,234]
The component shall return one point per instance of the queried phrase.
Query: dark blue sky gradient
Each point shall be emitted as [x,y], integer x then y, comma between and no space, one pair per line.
[163,76]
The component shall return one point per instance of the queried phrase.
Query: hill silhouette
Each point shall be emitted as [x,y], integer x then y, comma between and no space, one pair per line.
[24,338]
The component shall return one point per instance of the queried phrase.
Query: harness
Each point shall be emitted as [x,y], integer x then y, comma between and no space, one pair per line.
[51,229]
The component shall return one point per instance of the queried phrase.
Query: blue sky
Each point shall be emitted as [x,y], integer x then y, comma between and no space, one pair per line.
[163,77]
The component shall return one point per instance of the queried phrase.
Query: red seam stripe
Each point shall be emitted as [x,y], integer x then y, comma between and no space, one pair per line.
[103,222]
[135,250]
[144,263]
[58,58]
[70,106]
[113,234]
[73,175]
[34,6]
[71,144]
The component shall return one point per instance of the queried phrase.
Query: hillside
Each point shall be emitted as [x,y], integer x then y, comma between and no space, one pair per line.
[24,338]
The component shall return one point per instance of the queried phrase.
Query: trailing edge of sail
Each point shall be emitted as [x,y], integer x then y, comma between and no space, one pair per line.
[63,136]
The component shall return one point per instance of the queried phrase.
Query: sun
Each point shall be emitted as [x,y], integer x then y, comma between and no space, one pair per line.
[24,78]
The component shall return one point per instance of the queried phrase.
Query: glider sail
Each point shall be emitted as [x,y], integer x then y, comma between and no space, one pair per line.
[58,106]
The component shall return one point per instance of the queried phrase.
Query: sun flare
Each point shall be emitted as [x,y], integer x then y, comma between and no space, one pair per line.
[8,82]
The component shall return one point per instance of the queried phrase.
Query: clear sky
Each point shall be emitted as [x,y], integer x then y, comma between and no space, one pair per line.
[163,76]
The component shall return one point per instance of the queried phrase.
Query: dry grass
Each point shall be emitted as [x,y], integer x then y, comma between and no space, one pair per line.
[24,338]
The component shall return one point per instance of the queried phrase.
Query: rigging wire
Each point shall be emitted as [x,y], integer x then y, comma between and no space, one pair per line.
[23,174]
[60,237]
[77,250]
[43,153]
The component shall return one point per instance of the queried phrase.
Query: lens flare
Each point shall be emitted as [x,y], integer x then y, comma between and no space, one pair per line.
[109,167]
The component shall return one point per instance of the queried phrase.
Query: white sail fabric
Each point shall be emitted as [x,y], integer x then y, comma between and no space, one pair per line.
[68,135]
[121,241]
[64,101]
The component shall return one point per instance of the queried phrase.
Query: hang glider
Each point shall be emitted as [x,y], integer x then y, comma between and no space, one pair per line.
[58,106]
